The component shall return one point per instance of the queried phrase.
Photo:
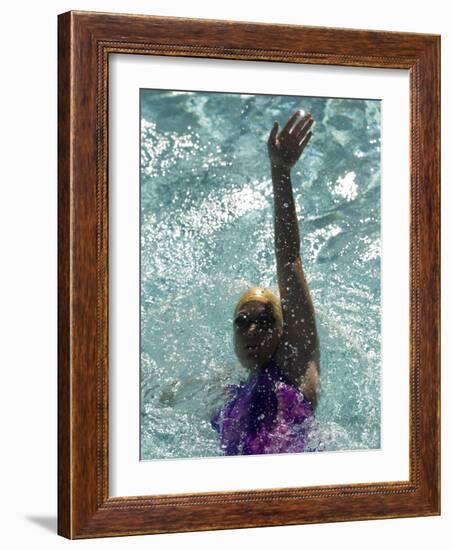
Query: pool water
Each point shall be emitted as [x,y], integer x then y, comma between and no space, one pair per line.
[207,235]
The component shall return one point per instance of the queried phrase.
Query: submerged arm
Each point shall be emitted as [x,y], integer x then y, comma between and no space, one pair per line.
[300,344]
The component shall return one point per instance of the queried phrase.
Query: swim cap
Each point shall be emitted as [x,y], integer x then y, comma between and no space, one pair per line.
[261,294]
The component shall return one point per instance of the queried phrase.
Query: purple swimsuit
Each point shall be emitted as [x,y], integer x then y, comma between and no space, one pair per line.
[264,415]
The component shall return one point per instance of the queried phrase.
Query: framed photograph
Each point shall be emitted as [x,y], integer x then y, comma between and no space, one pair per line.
[248,275]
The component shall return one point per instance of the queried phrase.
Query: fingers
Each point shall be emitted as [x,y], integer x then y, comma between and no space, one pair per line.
[285,132]
[273,133]
[305,141]
[291,122]
[295,125]
[287,147]
[301,146]
[302,128]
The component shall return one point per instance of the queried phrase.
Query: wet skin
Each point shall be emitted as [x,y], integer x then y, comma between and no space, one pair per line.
[257,334]
[294,346]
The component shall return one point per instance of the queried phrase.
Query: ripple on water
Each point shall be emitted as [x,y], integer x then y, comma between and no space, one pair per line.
[207,234]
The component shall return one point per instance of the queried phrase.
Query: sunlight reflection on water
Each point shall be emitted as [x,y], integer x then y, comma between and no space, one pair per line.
[207,234]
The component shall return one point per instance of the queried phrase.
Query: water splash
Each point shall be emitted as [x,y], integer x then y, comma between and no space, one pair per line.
[207,234]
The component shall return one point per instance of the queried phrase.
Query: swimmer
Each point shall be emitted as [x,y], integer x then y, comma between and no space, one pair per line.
[276,339]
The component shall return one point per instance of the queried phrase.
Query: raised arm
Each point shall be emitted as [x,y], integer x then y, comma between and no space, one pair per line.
[298,353]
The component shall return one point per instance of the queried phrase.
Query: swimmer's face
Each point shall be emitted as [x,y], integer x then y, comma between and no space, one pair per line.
[257,334]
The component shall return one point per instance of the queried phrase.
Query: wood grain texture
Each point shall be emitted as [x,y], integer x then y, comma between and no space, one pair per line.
[64,295]
[85,42]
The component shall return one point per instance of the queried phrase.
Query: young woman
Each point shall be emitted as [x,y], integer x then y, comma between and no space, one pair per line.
[276,339]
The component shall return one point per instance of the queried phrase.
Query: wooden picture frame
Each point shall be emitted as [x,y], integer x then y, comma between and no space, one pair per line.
[85,42]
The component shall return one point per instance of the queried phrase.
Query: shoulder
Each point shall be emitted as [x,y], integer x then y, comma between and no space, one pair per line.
[302,374]
[310,385]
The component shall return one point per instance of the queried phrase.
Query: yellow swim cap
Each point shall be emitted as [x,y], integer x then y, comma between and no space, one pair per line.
[261,294]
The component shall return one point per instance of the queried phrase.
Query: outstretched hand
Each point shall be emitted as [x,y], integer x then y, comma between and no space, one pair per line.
[285,149]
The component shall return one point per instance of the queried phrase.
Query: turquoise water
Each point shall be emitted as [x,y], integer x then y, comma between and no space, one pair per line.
[207,235]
